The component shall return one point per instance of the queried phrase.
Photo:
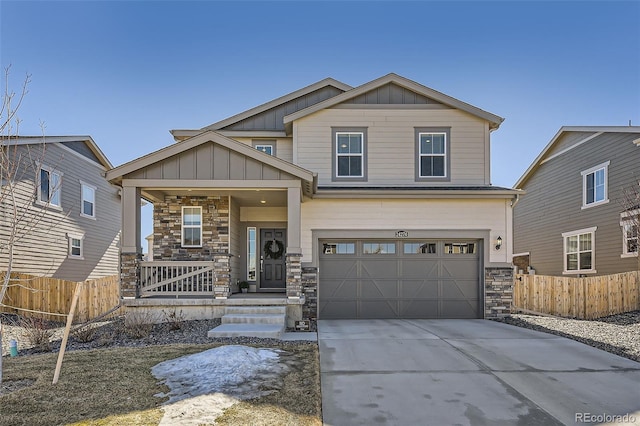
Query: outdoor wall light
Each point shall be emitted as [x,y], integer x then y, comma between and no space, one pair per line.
[498,243]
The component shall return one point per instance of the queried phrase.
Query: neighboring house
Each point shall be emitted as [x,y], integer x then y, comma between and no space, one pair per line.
[572,220]
[366,202]
[70,212]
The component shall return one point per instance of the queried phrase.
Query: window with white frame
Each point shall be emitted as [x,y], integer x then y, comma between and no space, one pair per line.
[251,254]
[433,154]
[49,186]
[594,185]
[191,227]
[349,155]
[88,203]
[75,246]
[266,148]
[630,233]
[579,251]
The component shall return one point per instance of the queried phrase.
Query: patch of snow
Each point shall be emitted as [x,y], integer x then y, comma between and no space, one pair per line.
[203,385]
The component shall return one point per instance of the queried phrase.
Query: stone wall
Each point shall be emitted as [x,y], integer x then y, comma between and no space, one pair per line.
[498,283]
[310,291]
[167,228]
[129,274]
[294,275]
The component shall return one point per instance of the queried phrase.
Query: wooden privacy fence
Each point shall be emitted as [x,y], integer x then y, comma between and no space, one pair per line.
[585,297]
[41,294]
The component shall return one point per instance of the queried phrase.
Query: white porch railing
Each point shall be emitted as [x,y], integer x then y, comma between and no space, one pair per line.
[170,278]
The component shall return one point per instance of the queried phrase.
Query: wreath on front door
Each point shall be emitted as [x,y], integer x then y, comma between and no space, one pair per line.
[273,249]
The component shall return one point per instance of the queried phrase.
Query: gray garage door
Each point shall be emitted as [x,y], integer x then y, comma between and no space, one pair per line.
[399,279]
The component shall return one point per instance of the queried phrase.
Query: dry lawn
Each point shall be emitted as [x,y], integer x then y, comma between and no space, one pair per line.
[115,387]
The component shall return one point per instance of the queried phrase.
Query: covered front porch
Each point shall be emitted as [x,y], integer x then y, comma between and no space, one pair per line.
[223,213]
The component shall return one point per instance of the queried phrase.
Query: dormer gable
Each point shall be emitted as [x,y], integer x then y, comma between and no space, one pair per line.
[268,117]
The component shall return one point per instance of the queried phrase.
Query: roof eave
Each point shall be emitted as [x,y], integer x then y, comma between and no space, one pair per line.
[278,101]
[494,120]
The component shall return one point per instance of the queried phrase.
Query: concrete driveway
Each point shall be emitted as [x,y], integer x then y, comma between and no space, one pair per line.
[468,372]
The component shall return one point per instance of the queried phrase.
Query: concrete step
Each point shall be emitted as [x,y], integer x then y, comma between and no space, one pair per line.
[245,318]
[255,310]
[273,331]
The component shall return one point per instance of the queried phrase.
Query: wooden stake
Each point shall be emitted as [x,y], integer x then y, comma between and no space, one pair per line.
[67,329]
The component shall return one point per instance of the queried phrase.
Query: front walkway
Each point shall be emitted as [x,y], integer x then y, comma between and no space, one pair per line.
[467,372]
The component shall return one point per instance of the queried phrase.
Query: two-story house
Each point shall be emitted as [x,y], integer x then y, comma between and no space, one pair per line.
[65,213]
[573,219]
[366,202]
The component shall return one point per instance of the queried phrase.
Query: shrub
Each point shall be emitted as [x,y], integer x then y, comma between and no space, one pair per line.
[37,333]
[138,324]
[174,319]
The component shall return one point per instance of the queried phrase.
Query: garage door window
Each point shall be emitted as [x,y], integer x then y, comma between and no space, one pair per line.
[459,248]
[339,248]
[378,248]
[419,248]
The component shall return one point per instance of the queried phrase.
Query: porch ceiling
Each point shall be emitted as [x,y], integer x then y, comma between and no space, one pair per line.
[244,197]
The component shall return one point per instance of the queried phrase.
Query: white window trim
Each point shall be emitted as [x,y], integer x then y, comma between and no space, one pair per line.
[443,155]
[624,222]
[361,155]
[591,231]
[260,146]
[183,226]
[584,174]
[253,264]
[95,189]
[70,238]
[39,201]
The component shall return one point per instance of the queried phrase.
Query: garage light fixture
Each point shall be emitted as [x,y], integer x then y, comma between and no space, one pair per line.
[498,243]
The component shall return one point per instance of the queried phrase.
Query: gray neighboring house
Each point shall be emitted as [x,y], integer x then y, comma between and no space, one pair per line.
[61,181]
[335,201]
[571,220]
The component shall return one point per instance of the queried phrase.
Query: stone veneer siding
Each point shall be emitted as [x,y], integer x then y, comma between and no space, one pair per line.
[167,235]
[310,291]
[294,275]
[498,283]
[130,274]
[167,228]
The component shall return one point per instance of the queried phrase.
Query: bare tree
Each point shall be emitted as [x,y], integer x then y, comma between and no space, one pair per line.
[20,181]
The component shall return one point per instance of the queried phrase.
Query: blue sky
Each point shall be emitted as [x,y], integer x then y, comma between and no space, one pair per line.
[128,72]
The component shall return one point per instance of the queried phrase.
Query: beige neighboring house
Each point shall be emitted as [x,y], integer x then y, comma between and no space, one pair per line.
[70,210]
[340,202]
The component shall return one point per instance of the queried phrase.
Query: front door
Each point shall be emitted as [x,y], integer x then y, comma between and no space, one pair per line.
[272,261]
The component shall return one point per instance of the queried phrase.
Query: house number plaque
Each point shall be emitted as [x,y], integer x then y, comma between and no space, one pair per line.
[402,234]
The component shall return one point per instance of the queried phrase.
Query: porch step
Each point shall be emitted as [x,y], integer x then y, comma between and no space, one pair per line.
[281,310]
[273,331]
[251,321]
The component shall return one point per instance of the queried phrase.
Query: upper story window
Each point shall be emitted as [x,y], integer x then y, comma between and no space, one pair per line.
[594,185]
[349,153]
[268,147]
[191,226]
[88,196]
[50,187]
[630,233]
[432,154]
[579,251]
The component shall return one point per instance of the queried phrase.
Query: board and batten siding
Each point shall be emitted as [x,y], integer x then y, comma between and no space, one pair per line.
[284,146]
[391,145]
[552,205]
[210,162]
[440,215]
[44,250]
